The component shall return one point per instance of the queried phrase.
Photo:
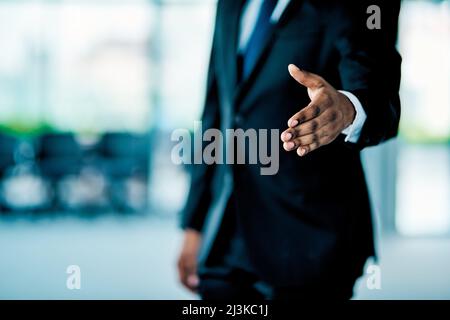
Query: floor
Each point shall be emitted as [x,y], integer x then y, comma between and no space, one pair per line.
[134,258]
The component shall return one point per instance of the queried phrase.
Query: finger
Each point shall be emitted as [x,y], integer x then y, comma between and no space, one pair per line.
[305,149]
[316,107]
[327,117]
[288,135]
[309,139]
[311,111]
[319,136]
[306,139]
[305,78]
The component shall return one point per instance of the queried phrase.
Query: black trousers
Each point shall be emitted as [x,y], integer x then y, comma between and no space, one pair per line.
[235,284]
[230,276]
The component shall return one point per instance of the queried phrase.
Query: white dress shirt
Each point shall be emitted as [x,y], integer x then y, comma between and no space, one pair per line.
[248,22]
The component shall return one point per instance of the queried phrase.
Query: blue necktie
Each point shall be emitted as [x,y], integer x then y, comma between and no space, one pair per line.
[255,44]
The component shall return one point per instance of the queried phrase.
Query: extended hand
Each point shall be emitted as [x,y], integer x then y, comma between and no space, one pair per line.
[322,120]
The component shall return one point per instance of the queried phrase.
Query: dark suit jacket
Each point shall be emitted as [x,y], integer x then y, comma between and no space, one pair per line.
[315,214]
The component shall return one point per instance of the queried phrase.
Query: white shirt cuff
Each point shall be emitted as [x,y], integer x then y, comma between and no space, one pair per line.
[353,131]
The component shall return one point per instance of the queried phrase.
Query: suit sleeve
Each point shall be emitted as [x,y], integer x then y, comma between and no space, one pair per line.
[199,197]
[369,65]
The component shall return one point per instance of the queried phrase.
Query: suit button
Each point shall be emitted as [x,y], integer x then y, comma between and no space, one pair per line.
[238,120]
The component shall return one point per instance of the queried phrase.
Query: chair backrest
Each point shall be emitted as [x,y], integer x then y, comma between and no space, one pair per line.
[124,145]
[59,145]
[8,145]
[59,155]
[124,154]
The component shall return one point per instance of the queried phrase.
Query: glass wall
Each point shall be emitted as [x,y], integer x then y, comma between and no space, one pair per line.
[76,86]
[96,74]
[78,66]
[423,167]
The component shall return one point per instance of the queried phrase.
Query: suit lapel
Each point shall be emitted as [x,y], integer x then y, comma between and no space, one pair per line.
[229,40]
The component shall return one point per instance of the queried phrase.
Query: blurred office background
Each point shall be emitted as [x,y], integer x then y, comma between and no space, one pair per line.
[90,91]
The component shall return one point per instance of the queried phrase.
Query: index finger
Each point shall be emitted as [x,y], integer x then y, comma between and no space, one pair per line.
[311,111]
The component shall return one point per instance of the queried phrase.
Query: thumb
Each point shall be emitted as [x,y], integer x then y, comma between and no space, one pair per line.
[305,78]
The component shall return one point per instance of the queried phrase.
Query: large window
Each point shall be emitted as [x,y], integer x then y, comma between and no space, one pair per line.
[423,185]
[93,67]
[82,66]
[184,45]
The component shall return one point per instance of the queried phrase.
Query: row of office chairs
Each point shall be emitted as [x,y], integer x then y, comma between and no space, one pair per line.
[60,171]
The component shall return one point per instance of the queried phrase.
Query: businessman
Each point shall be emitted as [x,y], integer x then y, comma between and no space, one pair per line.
[326,74]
